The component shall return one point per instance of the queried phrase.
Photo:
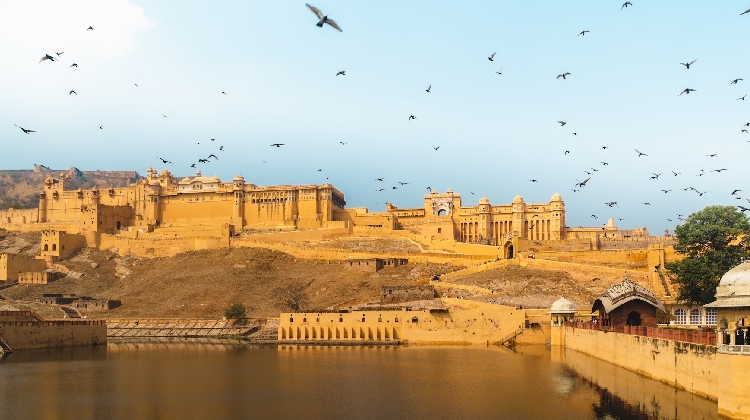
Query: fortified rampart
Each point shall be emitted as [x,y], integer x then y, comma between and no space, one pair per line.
[673,362]
[23,330]
[401,294]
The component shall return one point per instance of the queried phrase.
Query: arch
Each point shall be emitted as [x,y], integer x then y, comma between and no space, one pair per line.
[680,318]
[634,319]
[54,247]
[442,212]
[696,317]
[508,251]
[46,247]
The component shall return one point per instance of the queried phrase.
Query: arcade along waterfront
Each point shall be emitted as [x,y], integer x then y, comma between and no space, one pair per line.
[214,379]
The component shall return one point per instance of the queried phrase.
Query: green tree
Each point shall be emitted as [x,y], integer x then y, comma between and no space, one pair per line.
[713,241]
[236,311]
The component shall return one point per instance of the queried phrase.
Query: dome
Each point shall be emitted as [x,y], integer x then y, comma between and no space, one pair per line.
[734,288]
[239,178]
[484,200]
[450,191]
[563,306]
[518,199]
[556,197]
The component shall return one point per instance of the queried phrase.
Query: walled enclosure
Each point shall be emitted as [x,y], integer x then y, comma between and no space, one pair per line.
[23,330]
[673,362]
[461,321]
[11,265]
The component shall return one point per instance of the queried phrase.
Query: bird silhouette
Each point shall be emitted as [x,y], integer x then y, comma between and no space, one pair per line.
[277,144]
[605,147]
[25,130]
[380,179]
[567,152]
[563,75]
[583,183]
[604,163]
[224,93]
[626,4]
[203,160]
[746,11]
[734,192]
[734,82]
[742,98]
[436,147]
[712,155]
[646,204]
[412,117]
[533,180]
[48,57]
[676,173]
[192,166]
[656,176]
[395,188]
[343,143]
[402,183]
[221,148]
[665,191]
[320,170]
[689,63]
[212,156]
[341,73]
[611,203]
[72,92]
[91,28]
[583,33]
[323,18]
[429,89]
[74,65]
[163,160]
[640,153]
[719,170]
[381,189]
[686,91]
[500,72]
[59,53]
[562,123]
[492,57]
[101,127]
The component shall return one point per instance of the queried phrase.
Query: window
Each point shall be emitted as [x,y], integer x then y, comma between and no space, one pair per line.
[440,230]
[711,316]
[679,317]
[696,317]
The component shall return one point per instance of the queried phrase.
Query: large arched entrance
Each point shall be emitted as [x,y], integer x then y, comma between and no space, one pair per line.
[508,251]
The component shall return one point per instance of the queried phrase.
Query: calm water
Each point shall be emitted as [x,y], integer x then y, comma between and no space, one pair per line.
[202,380]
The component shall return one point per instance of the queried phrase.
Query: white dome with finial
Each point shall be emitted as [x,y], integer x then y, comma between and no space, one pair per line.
[563,306]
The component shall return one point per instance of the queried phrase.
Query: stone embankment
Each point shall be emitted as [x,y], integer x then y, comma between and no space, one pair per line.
[126,328]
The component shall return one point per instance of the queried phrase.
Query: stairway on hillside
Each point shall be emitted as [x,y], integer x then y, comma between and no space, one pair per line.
[70,312]
[4,348]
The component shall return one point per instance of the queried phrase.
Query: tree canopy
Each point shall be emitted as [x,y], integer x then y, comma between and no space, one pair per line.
[236,311]
[292,297]
[713,241]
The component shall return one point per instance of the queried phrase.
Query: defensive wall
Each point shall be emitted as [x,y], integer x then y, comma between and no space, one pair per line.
[688,366]
[22,330]
[12,265]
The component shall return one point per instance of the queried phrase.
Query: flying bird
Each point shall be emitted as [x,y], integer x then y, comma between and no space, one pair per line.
[665,191]
[742,98]
[402,183]
[163,160]
[533,180]
[436,147]
[25,130]
[277,144]
[212,156]
[412,117]
[735,192]
[583,33]
[90,28]
[343,143]
[562,123]
[221,148]
[492,57]
[72,92]
[380,179]
[640,153]
[567,152]
[611,203]
[712,155]
[734,82]
[74,65]
[689,63]
[626,4]
[563,75]
[746,11]
[48,57]
[323,18]
[605,147]
[429,88]
[223,93]
[341,73]
[687,91]
[500,72]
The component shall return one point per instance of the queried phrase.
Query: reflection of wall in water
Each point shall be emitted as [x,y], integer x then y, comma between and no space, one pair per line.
[622,390]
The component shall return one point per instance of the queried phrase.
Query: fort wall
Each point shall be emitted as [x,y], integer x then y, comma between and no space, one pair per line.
[27,335]
[672,362]
[11,265]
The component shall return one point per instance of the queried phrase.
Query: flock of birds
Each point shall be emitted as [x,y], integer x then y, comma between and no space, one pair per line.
[323,20]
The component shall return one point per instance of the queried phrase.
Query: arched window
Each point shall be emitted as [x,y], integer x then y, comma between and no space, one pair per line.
[54,247]
[680,318]
[46,247]
[696,316]
[711,318]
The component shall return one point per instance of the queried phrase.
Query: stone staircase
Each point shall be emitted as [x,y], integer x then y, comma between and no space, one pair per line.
[510,340]
[269,332]
[4,348]
[70,312]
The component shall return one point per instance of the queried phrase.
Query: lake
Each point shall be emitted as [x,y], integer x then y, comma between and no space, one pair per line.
[214,379]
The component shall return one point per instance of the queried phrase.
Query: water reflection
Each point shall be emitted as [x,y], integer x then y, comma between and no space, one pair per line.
[221,379]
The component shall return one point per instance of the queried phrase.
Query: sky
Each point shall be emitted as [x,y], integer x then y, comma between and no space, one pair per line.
[494,133]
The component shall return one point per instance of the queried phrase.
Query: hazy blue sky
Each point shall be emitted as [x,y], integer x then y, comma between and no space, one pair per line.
[495,132]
